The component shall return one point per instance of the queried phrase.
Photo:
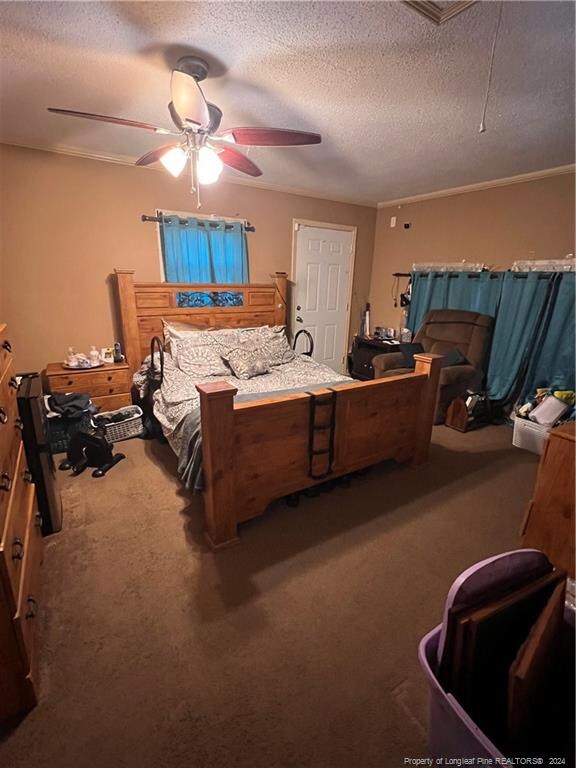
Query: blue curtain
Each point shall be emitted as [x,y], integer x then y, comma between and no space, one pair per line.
[202,251]
[520,313]
[552,363]
[472,291]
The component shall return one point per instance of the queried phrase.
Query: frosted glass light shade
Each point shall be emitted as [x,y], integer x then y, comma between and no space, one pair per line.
[208,166]
[174,161]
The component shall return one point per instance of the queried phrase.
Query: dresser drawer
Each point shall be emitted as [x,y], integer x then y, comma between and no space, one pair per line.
[28,597]
[112,402]
[95,383]
[12,543]
[5,348]
[9,422]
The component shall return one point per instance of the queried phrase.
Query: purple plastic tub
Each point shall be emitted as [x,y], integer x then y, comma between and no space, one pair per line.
[451,732]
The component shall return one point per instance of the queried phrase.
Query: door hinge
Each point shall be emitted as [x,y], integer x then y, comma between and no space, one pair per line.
[296,226]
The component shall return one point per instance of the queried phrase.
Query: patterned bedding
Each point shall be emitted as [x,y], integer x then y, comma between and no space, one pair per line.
[177,402]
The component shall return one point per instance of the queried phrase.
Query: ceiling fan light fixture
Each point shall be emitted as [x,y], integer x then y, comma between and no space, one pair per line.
[174,161]
[208,166]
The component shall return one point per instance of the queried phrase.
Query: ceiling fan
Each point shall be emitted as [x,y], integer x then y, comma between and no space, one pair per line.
[197,122]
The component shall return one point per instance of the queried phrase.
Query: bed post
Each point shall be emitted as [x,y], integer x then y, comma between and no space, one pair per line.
[128,317]
[217,420]
[429,365]
[280,298]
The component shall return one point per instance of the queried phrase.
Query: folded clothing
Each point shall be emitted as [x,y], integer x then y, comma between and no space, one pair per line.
[69,406]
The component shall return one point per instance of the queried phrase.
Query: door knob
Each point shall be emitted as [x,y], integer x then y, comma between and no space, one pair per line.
[299,319]
[298,307]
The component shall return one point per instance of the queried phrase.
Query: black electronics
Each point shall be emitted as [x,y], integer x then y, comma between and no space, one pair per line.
[33,418]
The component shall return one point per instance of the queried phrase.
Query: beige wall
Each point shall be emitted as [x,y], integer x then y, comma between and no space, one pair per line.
[66,222]
[530,220]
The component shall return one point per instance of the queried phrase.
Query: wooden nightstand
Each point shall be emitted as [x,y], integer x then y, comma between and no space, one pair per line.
[109,386]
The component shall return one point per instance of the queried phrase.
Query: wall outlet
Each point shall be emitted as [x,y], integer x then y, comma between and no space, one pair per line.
[393,221]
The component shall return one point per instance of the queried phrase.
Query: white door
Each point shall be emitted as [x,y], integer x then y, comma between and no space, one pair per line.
[323,264]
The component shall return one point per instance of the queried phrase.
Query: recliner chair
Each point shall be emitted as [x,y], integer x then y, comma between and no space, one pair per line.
[442,331]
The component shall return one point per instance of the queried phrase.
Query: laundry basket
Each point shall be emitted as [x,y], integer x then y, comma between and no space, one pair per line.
[529,435]
[121,424]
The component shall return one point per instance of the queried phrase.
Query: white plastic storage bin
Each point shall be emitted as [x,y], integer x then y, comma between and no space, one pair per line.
[529,435]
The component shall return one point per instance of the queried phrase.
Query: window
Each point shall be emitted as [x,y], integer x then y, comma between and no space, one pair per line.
[203,250]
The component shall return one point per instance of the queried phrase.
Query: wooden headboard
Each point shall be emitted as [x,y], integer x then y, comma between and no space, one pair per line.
[143,306]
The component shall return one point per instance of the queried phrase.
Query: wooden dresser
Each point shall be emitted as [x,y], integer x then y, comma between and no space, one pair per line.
[20,552]
[109,386]
[549,522]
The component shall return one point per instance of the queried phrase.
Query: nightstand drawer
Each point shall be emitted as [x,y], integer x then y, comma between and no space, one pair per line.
[96,383]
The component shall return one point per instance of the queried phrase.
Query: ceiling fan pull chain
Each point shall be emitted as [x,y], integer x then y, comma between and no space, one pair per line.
[482,127]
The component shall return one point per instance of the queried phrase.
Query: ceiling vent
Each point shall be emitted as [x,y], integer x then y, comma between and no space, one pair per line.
[439,12]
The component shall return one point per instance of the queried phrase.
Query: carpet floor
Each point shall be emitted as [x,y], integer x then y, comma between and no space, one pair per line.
[296,648]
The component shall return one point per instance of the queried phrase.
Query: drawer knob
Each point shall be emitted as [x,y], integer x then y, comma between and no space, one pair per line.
[3,416]
[6,345]
[5,482]
[18,423]
[109,378]
[111,391]
[17,549]
[32,611]
[70,382]
[13,383]
[27,475]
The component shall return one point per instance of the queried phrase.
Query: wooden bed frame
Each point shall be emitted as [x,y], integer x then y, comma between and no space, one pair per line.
[258,451]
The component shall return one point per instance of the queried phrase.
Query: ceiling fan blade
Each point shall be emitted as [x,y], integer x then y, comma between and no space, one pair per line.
[269,137]
[108,119]
[175,117]
[188,99]
[155,155]
[237,160]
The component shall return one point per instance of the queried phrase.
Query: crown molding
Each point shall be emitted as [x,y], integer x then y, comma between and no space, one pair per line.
[503,182]
[435,12]
[125,160]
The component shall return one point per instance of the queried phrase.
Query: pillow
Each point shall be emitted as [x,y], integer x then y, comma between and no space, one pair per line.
[247,361]
[453,356]
[198,360]
[408,352]
[278,350]
[176,330]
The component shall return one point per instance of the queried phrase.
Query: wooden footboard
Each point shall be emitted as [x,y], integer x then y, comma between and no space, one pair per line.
[259,451]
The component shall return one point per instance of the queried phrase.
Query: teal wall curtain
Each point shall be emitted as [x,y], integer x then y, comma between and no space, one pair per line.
[523,297]
[553,362]
[533,338]
[472,291]
[203,251]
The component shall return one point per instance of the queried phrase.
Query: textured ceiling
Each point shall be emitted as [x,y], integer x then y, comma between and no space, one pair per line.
[397,99]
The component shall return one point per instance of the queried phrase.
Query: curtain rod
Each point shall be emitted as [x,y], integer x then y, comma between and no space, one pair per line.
[493,275]
[247,227]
